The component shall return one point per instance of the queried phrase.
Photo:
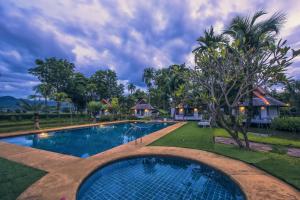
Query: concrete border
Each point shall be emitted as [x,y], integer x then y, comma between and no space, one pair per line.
[64,179]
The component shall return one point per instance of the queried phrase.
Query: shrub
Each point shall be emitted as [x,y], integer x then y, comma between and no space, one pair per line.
[286,124]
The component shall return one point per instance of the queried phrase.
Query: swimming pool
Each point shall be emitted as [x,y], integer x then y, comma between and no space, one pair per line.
[155,177]
[85,142]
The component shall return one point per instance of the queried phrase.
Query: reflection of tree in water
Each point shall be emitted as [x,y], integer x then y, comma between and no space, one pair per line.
[174,163]
[149,165]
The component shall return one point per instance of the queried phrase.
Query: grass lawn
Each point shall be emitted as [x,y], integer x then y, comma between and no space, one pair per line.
[273,139]
[10,126]
[15,178]
[191,136]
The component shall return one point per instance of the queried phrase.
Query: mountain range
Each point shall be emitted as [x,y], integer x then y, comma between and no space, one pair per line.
[9,102]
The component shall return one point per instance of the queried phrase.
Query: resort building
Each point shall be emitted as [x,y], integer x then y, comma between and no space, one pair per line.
[107,105]
[266,107]
[186,112]
[143,109]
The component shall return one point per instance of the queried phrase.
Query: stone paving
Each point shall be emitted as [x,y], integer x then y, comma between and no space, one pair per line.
[295,152]
[66,173]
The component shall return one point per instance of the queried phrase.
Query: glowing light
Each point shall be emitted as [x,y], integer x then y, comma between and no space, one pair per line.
[43,135]
[146,110]
[181,109]
[262,108]
[195,109]
[242,108]
[287,104]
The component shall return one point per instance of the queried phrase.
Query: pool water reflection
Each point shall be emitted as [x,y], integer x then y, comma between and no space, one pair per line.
[85,142]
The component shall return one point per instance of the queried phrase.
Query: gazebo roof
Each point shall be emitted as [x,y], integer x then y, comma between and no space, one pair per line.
[142,105]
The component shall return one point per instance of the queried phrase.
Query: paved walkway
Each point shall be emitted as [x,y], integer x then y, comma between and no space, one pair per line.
[295,152]
[67,172]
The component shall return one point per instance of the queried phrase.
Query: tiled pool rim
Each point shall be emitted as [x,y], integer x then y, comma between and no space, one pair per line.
[193,160]
[66,172]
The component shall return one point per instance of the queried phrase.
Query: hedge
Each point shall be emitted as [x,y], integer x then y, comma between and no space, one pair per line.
[291,124]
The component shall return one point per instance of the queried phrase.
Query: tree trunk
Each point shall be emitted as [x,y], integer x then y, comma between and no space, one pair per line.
[46,106]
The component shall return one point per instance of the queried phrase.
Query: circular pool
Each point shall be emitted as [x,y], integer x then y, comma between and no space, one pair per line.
[159,178]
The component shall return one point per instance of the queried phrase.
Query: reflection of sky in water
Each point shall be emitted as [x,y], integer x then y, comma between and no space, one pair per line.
[161,178]
[84,142]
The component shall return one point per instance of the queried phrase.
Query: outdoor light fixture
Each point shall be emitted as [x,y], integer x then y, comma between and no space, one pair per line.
[181,109]
[242,108]
[195,109]
[146,110]
[262,108]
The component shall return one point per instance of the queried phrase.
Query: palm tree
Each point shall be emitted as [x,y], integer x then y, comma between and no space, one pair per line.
[32,107]
[209,40]
[254,34]
[148,77]
[45,90]
[131,87]
[59,97]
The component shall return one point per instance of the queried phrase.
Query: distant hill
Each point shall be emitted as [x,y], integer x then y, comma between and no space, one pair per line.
[9,102]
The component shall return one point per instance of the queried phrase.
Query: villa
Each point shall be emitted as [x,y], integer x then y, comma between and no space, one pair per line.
[107,105]
[186,112]
[143,109]
[266,108]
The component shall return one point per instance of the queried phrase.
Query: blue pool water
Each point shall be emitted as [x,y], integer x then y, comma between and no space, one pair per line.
[159,178]
[85,142]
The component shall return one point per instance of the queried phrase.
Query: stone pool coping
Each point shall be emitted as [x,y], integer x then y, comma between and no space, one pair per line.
[66,173]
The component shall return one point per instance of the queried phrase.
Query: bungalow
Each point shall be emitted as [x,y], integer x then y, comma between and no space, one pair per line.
[266,107]
[143,109]
[107,105]
[185,112]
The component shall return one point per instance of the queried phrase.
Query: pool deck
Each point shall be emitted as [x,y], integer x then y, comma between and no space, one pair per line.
[66,173]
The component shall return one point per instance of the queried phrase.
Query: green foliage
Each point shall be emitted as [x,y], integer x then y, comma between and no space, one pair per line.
[287,124]
[94,106]
[54,72]
[115,107]
[106,84]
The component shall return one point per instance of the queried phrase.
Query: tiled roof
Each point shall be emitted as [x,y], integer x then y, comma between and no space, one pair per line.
[267,101]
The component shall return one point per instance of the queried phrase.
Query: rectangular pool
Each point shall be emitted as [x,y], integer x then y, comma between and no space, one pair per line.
[85,142]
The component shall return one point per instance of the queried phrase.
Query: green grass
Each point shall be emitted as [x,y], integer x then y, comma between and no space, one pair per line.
[191,136]
[10,126]
[273,139]
[15,178]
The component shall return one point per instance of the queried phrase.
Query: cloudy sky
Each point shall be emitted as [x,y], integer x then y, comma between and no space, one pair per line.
[123,35]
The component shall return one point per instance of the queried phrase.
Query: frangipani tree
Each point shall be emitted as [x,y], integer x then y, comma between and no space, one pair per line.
[227,78]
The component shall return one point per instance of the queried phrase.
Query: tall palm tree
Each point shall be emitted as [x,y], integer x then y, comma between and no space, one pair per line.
[34,107]
[131,87]
[148,77]
[45,90]
[209,40]
[254,33]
